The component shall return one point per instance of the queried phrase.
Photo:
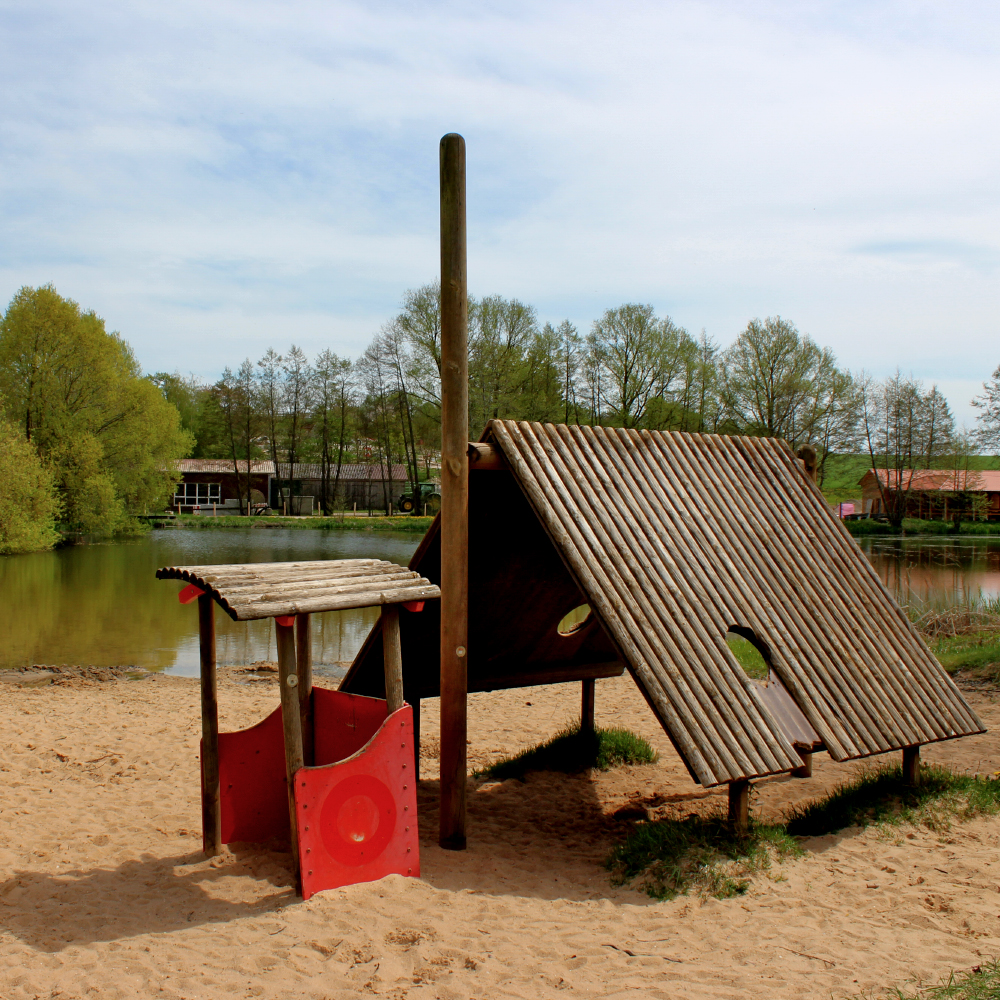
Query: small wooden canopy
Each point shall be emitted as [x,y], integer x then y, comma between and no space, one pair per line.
[674,540]
[247,591]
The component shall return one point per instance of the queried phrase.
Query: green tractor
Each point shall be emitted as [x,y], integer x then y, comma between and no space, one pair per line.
[418,497]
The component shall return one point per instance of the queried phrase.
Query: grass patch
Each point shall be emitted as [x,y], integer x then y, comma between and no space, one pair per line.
[701,854]
[404,522]
[980,983]
[670,857]
[572,750]
[978,653]
[915,526]
[877,795]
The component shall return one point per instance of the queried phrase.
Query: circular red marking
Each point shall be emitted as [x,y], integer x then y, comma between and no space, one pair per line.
[358,820]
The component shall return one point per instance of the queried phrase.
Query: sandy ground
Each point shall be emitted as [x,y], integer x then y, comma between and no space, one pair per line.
[104,892]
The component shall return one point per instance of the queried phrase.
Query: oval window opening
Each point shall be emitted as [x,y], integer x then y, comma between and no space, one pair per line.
[748,656]
[574,621]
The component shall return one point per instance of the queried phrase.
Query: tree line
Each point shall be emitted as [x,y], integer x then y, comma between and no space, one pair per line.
[89,442]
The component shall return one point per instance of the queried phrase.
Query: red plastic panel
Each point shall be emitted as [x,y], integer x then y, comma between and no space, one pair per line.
[358,819]
[343,723]
[252,782]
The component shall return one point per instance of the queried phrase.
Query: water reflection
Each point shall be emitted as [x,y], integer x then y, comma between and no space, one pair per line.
[101,604]
[936,572]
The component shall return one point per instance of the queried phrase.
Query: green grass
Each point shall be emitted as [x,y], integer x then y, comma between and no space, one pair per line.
[915,526]
[748,656]
[572,750]
[701,854]
[877,795]
[982,982]
[404,522]
[978,653]
[670,857]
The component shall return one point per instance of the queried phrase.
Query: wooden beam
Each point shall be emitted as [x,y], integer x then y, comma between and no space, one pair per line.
[739,805]
[806,770]
[211,805]
[303,669]
[587,705]
[392,655]
[454,494]
[911,766]
[484,458]
[291,721]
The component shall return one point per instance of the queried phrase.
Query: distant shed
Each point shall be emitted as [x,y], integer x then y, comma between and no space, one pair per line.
[674,540]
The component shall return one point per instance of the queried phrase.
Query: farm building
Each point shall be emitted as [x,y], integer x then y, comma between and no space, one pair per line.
[370,486]
[934,493]
[217,482]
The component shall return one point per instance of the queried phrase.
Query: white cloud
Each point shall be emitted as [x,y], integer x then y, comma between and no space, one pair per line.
[215,179]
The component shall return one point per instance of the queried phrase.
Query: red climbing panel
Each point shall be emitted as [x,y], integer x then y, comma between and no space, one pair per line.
[343,723]
[358,818]
[252,782]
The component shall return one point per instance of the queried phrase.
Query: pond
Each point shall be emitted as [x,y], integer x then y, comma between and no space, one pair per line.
[932,572]
[101,604]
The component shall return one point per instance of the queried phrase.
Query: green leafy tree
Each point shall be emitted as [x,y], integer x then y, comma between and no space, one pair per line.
[77,393]
[29,505]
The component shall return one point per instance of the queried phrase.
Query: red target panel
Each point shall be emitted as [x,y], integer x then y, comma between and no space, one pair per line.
[358,817]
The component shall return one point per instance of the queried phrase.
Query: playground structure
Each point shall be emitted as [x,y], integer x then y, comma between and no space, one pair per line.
[332,773]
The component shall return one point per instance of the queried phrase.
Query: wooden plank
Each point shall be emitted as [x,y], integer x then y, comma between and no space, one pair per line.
[392,654]
[303,669]
[291,722]
[211,806]
[739,806]
[587,705]
[454,494]
[483,457]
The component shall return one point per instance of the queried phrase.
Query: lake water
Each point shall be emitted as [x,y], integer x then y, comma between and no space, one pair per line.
[102,605]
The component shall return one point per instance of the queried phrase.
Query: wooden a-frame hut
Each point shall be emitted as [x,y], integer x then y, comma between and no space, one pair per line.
[675,540]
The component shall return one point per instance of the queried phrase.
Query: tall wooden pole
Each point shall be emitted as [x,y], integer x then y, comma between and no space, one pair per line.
[291,722]
[454,493]
[392,654]
[211,807]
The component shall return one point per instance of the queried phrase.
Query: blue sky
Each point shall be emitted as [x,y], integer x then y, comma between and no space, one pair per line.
[216,178]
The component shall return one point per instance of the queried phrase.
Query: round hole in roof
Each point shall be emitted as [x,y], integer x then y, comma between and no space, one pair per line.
[575,620]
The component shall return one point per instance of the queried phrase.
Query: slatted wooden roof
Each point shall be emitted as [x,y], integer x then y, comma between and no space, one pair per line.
[247,591]
[675,538]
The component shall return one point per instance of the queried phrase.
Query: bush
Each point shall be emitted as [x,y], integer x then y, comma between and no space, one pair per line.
[28,503]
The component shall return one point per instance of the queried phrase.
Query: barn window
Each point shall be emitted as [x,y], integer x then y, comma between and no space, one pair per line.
[751,654]
[575,620]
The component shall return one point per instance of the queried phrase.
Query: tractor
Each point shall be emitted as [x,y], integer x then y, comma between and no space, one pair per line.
[420,496]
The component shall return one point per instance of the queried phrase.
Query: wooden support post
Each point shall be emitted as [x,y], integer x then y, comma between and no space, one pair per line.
[454,494]
[304,670]
[291,721]
[587,705]
[911,766]
[739,805]
[392,658]
[806,770]
[211,806]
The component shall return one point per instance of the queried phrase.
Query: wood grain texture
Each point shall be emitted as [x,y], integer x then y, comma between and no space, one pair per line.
[211,806]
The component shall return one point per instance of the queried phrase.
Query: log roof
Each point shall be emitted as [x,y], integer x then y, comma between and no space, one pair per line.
[675,539]
[247,591]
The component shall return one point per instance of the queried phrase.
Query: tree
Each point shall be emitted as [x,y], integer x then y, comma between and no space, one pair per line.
[238,400]
[78,395]
[777,383]
[332,392]
[905,429]
[988,404]
[269,396]
[295,394]
[29,505]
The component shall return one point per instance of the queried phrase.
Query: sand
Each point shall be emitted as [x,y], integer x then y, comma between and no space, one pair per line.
[104,892]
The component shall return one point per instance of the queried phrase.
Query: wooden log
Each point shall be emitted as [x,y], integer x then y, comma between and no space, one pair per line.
[454,494]
[303,669]
[739,806]
[911,766]
[276,609]
[392,657]
[806,770]
[291,722]
[483,457]
[211,805]
[588,686]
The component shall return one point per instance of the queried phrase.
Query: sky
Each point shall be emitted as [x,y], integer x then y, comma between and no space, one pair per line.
[215,179]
